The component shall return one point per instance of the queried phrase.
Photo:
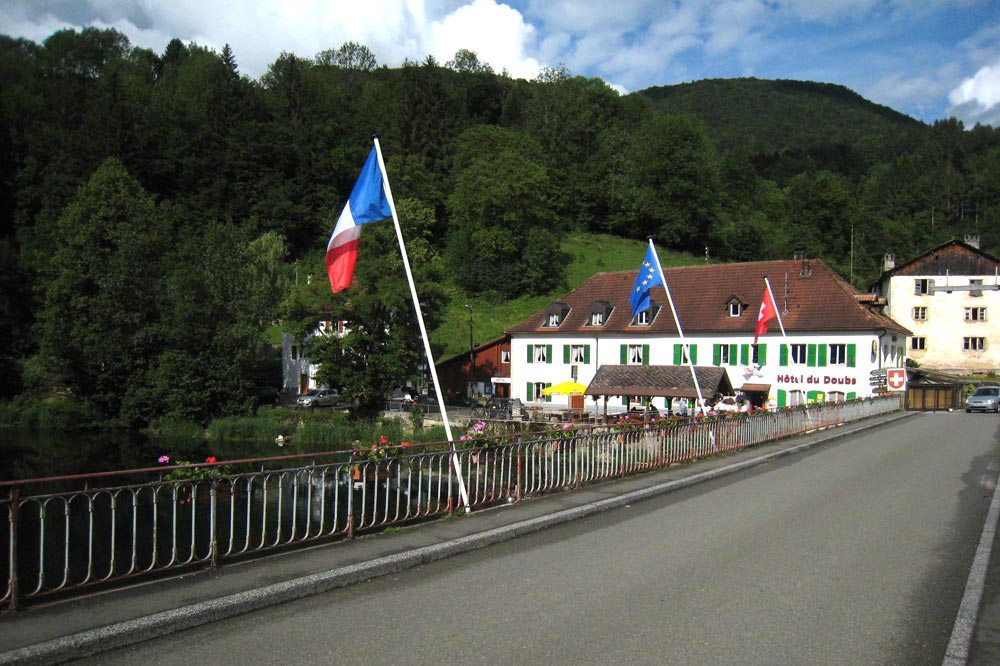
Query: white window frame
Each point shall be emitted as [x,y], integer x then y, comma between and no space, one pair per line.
[634,355]
[553,320]
[505,356]
[735,309]
[642,319]
[918,343]
[539,354]
[975,314]
[836,354]
[724,354]
[577,353]
[539,396]
[919,313]
[798,354]
[973,343]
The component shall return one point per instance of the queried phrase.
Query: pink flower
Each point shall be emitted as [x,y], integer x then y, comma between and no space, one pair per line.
[163,459]
[566,426]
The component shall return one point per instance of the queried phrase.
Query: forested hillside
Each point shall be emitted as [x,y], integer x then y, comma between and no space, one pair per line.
[160,210]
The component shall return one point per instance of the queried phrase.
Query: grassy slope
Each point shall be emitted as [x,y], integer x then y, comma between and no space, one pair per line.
[589,254]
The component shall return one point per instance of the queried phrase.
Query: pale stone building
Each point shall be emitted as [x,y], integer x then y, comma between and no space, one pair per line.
[949,297]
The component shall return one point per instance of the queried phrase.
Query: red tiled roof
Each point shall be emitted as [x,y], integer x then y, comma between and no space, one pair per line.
[811,300]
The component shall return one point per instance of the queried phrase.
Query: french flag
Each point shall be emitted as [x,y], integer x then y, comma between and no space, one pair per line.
[368,203]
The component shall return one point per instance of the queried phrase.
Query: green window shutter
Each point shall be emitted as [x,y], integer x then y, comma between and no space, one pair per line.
[783,355]
[822,355]
[814,396]
[811,356]
[761,354]
[586,354]
[530,392]
[852,355]
[645,354]
[732,354]
[531,354]
[716,354]
[566,354]
[782,396]
[548,353]
[744,354]
[852,396]
[693,354]
[624,354]
[548,398]
[678,357]
[625,400]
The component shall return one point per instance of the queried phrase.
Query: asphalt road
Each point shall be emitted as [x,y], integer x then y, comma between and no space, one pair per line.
[856,552]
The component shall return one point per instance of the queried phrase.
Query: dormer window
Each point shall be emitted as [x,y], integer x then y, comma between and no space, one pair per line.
[735,309]
[646,317]
[555,314]
[599,313]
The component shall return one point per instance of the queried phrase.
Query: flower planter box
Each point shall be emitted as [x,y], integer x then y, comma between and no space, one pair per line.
[379,472]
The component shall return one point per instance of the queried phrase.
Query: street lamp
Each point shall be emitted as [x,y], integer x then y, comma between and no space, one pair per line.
[472,359]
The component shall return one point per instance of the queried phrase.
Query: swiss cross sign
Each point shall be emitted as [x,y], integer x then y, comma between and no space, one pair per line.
[896,379]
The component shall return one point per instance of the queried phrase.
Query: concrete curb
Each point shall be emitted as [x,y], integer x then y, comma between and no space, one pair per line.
[122,634]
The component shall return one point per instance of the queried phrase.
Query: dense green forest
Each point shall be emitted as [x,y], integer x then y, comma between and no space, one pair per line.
[161,211]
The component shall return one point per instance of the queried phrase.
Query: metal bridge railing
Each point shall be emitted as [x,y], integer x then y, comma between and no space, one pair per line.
[67,535]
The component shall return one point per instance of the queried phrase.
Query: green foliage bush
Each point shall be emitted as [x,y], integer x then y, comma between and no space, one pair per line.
[58,414]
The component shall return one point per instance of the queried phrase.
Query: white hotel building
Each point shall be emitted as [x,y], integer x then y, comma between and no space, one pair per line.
[835,336]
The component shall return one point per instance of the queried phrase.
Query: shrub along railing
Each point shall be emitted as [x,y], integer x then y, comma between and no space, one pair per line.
[67,535]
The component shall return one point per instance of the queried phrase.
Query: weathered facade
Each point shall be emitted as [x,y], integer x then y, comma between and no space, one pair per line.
[949,297]
[835,335]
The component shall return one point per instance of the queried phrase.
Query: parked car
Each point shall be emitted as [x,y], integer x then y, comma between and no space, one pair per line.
[984,399]
[318,398]
[267,395]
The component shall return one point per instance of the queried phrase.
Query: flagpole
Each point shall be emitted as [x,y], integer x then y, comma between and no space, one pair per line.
[680,333]
[777,312]
[423,330]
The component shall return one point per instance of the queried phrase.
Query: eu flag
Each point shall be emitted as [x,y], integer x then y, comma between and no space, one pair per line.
[647,278]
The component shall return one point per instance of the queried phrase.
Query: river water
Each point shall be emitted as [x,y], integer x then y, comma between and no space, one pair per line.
[28,455]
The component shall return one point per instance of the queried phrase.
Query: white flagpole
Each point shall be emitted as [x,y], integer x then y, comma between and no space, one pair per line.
[777,312]
[680,333]
[423,331]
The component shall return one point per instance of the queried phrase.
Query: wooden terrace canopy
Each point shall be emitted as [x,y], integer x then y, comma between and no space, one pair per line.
[659,381]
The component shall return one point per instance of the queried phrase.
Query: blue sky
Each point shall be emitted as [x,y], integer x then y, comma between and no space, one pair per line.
[930,59]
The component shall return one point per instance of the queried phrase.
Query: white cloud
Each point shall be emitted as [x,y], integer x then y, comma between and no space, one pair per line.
[977,99]
[496,33]
[731,26]
[259,30]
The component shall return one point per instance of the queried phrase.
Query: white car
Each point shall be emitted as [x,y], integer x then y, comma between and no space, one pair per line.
[985,399]
[318,398]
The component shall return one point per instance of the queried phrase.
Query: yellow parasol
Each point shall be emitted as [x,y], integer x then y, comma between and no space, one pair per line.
[565,388]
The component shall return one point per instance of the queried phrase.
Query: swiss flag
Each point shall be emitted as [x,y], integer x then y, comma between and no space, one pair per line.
[768,311]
